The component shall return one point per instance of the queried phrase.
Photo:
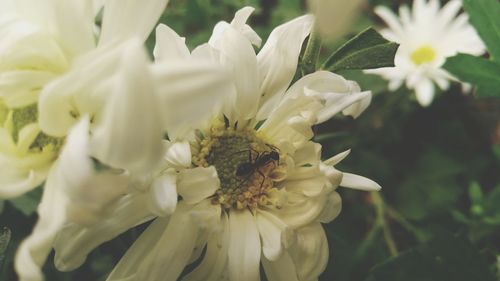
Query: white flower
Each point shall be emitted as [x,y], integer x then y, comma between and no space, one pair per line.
[112,108]
[428,35]
[254,189]
[43,40]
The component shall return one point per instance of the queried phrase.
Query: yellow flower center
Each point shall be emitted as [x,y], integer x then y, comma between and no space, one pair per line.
[423,55]
[247,166]
[25,116]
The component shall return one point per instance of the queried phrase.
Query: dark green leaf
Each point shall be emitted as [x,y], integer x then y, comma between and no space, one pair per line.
[445,258]
[484,16]
[478,71]
[365,51]
[28,203]
[4,242]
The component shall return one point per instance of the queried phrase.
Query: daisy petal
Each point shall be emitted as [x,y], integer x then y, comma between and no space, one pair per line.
[124,19]
[244,247]
[277,61]
[424,91]
[281,269]
[359,182]
[169,45]
[197,184]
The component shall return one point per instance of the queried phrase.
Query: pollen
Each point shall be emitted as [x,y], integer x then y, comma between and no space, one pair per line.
[423,55]
[27,115]
[246,165]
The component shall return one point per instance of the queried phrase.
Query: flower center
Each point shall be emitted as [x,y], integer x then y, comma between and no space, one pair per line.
[247,166]
[25,116]
[423,55]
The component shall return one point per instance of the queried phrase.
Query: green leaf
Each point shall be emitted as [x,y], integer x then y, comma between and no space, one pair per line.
[365,51]
[28,203]
[483,14]
[4,243]
[478,71]
[444,258]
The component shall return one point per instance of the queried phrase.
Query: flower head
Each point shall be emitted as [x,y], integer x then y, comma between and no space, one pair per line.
[428,35]
[252,184]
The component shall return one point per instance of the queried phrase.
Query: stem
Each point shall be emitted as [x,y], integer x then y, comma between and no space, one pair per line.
[380,220]
[311,54]
[421,236]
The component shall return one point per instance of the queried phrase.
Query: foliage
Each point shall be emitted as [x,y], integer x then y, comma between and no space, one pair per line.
[480,71]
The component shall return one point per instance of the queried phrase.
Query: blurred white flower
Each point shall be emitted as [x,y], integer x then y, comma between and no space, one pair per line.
[43,40]
[428,35]
[334,18]
[254,189]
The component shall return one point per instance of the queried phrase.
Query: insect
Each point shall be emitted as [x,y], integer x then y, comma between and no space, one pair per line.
[247,169]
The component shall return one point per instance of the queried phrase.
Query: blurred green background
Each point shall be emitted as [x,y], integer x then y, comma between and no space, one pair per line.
[437,217]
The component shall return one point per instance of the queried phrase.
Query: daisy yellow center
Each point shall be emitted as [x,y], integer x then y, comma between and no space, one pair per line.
[423,55]
[25,116]
[246,166]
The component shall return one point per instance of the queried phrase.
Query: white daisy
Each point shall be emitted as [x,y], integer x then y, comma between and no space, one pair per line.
[41,41]
[254,189]
[428,35]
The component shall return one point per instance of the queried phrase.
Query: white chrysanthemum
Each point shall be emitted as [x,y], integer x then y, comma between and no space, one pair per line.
[428,35]
[41,41]
[254,189]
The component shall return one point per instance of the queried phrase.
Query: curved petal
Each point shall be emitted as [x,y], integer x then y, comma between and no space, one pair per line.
[33,251]
[310,253]
[281,269]
[125,19]
[197,184]
[189,92]
[332,209]
[271,230]
[214,262]
[238,55]
[244,247]
[359,182]
[74,242]
[424,91]
[277,61]
[179,155]
[169,45]
[130,133]
[163,194]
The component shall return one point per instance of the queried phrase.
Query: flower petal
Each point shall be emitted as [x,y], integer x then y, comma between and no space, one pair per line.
[277,61]
[359,182]
[33,251]
[214,262]
[310,253]
[130,133]
[271,230]
[125,19]
[197,184]
[244,247]
[179,155]
[169,45]
[74,242]
[281,269]
[163,195]
[424,91]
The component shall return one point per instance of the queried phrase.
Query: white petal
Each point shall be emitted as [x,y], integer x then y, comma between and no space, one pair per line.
[277,61]
[167,261]
[310,253]
[337,158]
[125,19]
[164,194]
[214,262]
[179,155]
[335,17]
[21,87]
[244,247]
[238,55]
[359,182]
[197,184]
[169,45]
[73,22]
[424,91]
[130,133]
[332,208]
[136,255]
[281,269]
[33,251]
[271,230]
[190,91]
[74,242]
